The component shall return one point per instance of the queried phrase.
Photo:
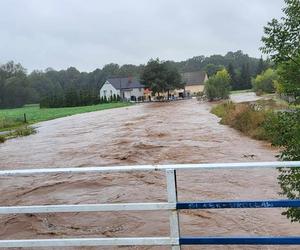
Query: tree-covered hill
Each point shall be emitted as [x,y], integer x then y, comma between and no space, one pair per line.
[70,87]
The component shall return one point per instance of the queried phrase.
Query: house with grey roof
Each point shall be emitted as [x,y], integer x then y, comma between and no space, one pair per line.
[194,82]
[127,88]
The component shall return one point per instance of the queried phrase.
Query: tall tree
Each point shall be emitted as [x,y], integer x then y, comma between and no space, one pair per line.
[281,39]
[260,66]
[14,85]
[245,78]
[282,42]
[233,77]
[161,76]
[211,69]
[172,78]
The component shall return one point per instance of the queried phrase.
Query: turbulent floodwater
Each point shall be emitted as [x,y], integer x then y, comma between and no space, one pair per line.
[155,133]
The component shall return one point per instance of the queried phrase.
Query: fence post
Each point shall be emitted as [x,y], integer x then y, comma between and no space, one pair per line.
[172,198]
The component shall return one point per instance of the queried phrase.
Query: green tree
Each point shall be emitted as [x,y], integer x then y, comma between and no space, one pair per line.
[265,82]
[284,130]
[282,43]
[245,77]
[233,77]
[14,86]
[281,39]
[212,69]
[218,86]
[172,78]
[261,66]
[289,75]
[160,76]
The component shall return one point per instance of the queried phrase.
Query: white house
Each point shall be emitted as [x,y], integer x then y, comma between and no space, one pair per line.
[127,88]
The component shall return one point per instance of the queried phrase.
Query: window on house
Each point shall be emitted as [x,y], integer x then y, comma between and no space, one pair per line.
[111,93]
[104,92]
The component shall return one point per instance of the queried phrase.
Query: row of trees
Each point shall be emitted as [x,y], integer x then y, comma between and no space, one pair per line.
[70,87]
[51,88]
[241,79]
[219,85]
[240,66]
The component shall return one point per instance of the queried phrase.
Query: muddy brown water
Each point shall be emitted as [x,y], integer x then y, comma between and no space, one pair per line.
[155,133]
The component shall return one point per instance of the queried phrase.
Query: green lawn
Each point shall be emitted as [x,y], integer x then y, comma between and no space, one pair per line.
[12,118]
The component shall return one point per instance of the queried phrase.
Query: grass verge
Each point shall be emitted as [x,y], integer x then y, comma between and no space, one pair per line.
[13,124]
[14,118]
[21,131]
[246,117]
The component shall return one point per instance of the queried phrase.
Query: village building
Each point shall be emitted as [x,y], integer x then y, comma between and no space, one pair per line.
[194,82]
[126,88]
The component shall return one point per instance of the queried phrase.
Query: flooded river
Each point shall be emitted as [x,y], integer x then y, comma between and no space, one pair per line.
[154,133]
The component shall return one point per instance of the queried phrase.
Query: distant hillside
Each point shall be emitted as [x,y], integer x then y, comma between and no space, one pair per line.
[71,87]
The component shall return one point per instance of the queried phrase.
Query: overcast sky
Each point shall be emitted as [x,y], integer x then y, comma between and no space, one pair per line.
[88,34]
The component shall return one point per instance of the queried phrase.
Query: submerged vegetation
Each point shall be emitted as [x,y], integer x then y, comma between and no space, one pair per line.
[245,117]
[21,131]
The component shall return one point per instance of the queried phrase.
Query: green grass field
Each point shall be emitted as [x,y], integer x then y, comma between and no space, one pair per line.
[13,118]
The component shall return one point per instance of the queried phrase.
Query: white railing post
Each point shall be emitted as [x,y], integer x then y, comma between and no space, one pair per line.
[172,199]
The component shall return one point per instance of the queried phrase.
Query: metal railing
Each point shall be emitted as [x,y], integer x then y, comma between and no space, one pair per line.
[175,240]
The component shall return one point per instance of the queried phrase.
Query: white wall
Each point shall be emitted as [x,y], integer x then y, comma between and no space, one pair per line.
[108,90]
[134,92]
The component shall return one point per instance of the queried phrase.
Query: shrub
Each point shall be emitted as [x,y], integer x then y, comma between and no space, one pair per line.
[247,118]
[7,122]
[24,131]
[284,130]
[265,82]
[218,86]
[2,138]
[222,109]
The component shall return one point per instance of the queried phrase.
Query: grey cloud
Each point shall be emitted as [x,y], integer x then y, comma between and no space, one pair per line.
[88,34]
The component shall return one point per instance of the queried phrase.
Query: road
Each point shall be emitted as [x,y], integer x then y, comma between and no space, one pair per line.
[154,133]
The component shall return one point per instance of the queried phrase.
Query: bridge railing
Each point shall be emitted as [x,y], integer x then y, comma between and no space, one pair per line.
[175,239]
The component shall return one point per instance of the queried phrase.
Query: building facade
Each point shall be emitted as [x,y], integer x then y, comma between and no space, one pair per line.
[194,82]
[126,88]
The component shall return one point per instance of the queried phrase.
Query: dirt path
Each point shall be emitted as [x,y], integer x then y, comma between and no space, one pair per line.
[178,132]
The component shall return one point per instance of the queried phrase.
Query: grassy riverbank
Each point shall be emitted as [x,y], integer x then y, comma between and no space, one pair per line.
[243,117]
[10,118]
[13,119]
[250,118]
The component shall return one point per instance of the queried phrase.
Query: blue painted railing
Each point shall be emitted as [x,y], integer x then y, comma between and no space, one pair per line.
[287,240]
[239,204]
